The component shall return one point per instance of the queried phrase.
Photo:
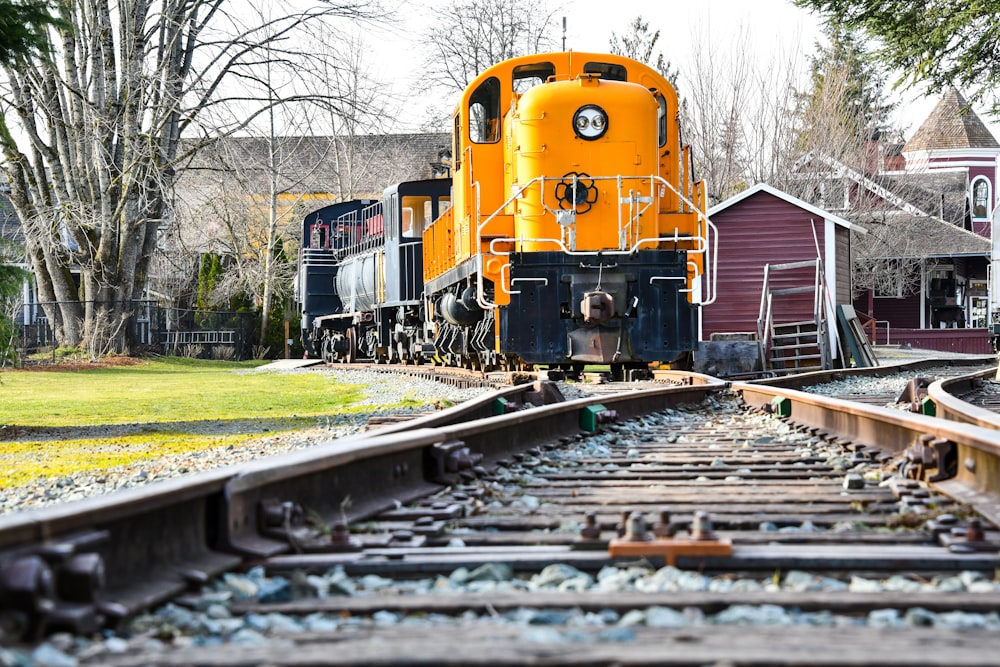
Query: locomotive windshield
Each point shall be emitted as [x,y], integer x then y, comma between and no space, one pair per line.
[484,112]
[526,77]
[608,71]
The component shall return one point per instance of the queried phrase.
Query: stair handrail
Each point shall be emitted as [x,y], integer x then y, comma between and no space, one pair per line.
[764,320]
[870,326]
[819,316]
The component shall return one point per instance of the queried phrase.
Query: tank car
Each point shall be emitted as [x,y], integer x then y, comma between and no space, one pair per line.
[577,233]
[360,281]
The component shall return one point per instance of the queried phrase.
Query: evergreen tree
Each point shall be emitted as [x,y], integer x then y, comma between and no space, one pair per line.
[939,42]
[846,72]
[11,280]
[23,27]
[208,279]
[845,107]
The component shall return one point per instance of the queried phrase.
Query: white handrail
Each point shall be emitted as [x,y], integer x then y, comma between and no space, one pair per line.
[704,244]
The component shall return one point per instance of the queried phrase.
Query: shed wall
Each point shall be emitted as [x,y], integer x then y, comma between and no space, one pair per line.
[764,229]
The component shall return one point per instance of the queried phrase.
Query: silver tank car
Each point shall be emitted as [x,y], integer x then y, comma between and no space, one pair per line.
[355,284]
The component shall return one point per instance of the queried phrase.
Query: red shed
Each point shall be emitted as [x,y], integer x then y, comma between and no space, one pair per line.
[763,226]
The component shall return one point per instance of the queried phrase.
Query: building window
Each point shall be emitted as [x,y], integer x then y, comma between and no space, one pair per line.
[887,280]
[981,198]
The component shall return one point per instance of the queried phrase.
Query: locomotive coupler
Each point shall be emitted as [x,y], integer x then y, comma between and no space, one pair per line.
[597,307]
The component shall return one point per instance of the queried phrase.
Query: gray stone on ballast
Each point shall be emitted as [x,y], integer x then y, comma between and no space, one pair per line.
[854,481]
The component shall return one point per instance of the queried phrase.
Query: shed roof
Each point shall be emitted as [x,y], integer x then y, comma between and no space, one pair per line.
[943,193]
[898,234]
[951,125]
[795,201]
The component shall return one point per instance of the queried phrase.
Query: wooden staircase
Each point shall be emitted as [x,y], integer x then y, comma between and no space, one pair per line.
[787,342]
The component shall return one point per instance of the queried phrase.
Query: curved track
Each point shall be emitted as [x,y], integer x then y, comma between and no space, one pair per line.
[496,481]
[973,398]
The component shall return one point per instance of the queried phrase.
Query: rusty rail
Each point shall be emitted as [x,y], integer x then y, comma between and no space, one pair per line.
[963,460]
[77,565]
[818,377]
[949,406]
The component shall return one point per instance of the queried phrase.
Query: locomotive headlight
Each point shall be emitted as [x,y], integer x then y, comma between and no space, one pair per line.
[590,122]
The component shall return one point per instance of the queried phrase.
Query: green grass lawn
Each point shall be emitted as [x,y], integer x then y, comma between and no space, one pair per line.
[174,403]
[172,389]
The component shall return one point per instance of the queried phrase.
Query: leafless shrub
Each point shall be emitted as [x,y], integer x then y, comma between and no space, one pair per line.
[192,351]
[105,335]
[223,352]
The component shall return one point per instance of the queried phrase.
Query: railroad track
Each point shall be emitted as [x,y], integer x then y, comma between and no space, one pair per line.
[885,386]
[973,398]
[787,516]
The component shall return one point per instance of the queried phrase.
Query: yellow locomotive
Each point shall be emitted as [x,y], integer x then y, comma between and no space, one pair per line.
[576,233]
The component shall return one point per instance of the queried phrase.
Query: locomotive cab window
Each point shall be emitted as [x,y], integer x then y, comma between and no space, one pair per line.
[484,113]
[391,210]
[417,212]
[526,77]
[456,137]
[608,71]
[420,211]
[318,236]
[661,119]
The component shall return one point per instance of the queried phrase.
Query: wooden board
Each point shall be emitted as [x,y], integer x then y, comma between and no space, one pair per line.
[857,341]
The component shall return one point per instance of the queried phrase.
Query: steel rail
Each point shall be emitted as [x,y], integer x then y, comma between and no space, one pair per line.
[949,406]
[360,473]
[799,380]
[76,564]
[968,469]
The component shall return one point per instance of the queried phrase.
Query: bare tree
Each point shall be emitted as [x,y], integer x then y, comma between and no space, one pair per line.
[472,35]
[367,109]
[91,132]
[786,137]
[718,89]
[256,189]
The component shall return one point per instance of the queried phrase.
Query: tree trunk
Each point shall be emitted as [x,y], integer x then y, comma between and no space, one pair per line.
[100,116]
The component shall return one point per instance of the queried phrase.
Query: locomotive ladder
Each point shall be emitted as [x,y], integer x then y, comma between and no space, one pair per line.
[787,342]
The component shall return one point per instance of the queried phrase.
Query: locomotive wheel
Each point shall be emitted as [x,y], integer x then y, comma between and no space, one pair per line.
[352,345]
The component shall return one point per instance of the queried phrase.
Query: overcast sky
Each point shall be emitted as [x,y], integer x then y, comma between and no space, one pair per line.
[773,26]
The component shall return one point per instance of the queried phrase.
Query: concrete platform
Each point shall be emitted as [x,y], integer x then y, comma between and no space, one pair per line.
[288,364]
